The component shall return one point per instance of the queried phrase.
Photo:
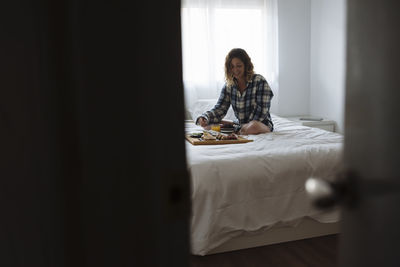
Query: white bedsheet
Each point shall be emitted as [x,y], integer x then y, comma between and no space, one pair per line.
[252,186]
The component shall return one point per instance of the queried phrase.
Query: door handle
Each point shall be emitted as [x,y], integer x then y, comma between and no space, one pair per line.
[348,188]
[327,194]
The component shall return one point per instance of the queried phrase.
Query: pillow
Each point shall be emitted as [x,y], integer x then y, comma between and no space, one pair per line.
[204,105]
[188,116]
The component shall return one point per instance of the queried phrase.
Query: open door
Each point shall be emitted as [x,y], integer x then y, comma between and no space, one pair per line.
[93,166]
[369,188]
[371,215]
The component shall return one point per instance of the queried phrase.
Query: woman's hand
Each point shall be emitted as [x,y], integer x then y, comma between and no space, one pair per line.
[202,122]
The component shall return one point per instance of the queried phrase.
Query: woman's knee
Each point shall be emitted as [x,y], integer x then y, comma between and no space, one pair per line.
[255,127]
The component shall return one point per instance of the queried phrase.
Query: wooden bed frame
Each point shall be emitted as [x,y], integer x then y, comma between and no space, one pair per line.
[307,228]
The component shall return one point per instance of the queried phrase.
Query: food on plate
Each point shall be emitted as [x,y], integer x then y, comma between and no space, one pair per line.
[231,136]
[213,135]
[208,136]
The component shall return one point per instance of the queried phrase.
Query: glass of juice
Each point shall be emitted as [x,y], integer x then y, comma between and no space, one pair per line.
[216,127]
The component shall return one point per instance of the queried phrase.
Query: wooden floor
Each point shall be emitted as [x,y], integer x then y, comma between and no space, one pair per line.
[320,251]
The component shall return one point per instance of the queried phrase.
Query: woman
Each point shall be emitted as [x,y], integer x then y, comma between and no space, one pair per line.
[247,92]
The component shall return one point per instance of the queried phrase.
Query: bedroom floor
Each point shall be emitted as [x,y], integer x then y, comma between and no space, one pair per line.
[319,251]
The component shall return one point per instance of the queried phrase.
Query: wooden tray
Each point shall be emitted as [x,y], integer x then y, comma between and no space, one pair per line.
[195,141]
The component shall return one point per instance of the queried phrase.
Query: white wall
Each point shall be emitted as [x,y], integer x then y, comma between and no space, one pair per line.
[311,59]
[294,58]
[327,64]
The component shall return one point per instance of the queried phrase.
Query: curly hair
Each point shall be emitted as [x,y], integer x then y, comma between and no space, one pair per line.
[244,57]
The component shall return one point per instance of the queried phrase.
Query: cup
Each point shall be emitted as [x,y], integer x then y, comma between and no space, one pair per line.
[216,127]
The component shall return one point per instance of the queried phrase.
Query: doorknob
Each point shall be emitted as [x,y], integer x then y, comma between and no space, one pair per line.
[320,192]
[325,194]
[347,189]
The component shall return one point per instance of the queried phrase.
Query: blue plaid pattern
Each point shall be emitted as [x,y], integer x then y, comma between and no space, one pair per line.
[253,104]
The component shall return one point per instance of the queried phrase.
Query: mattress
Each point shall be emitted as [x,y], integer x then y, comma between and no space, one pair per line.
[251,187]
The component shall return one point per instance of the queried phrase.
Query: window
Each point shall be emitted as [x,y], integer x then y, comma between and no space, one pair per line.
[210,29]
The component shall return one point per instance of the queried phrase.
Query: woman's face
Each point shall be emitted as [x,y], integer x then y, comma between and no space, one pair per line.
[237,68]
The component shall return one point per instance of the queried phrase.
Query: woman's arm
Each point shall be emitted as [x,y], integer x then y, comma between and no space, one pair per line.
[219,111]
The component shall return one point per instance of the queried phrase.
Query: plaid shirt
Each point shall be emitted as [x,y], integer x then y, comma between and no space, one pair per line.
[253,104]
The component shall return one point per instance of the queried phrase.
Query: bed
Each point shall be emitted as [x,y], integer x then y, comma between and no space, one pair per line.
[252,194]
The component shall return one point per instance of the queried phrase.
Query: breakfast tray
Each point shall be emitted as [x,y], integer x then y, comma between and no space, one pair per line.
[197,141]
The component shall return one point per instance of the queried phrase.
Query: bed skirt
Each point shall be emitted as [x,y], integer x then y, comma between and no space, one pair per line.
[307,228]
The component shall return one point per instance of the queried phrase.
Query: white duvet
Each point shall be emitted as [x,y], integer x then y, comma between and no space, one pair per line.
[252,186]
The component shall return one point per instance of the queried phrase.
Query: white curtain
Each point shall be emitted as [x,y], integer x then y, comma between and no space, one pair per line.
[211,28]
